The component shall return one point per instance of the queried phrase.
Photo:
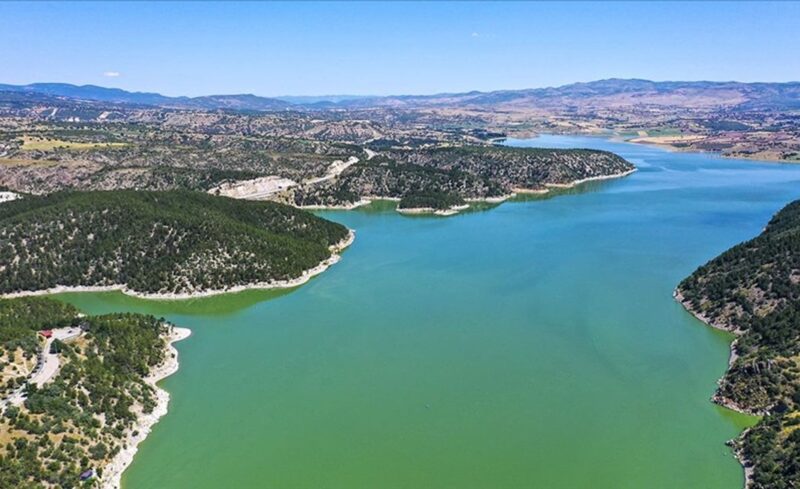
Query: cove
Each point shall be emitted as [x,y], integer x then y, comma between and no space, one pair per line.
[533,344]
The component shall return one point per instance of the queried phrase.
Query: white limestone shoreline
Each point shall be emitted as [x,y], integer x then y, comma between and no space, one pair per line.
[452,210]
[530,191]
[366,200]
[273,284]
[343,207]
[575,183]
[492,200]
[372,198]
[112,472]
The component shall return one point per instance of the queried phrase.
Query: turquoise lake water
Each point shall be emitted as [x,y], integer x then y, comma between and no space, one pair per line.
[532,345]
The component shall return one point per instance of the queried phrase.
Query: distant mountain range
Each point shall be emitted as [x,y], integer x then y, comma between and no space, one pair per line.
[119,96]
[602,93]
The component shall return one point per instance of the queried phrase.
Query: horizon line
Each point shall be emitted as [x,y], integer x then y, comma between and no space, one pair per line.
[434,94]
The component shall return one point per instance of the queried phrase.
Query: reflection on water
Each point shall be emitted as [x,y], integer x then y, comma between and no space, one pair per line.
[215,305]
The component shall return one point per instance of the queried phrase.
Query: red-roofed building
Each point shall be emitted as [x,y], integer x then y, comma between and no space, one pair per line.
[47,333]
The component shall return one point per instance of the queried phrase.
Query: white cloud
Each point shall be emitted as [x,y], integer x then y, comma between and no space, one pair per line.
[111,74]
[475,34]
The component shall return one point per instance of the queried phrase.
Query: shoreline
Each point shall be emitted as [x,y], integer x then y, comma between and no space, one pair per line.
[747,466]
[492,200]
[677,149]
[274,284]
[716,398]
[366,200]
[575,183]
[530,191]
[342,207]
[618,138]
[450,211]
[112,472]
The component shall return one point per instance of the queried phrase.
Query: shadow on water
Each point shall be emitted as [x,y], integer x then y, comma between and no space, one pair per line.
[583,188]
[216,305]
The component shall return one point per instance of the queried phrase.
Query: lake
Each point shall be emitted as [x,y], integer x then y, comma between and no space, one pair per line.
[532,344]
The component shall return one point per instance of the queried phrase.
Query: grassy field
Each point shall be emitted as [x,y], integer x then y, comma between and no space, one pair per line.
[650,132]
[34,143]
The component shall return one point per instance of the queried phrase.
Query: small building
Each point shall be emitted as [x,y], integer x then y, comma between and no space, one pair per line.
[47,333]
[87,474]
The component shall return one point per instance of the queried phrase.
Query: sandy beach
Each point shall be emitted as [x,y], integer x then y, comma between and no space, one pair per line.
[273,284]
[112,472]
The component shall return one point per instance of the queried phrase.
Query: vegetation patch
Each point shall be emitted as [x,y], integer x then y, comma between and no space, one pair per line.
[81,418]
[35,143]
[462,172]
[438,201]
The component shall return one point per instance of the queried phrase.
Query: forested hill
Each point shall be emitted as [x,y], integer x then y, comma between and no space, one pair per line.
[80,418]
[462,171]
[753,289]
[156,242]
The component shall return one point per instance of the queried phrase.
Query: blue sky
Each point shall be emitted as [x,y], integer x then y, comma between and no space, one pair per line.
[392,48]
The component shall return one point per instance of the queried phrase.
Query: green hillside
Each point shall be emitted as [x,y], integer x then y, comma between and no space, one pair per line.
[156,242]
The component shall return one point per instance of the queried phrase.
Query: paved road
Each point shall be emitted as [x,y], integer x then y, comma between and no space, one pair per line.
[46,368]
[49,361]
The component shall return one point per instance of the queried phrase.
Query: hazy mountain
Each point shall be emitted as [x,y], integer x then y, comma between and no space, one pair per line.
[116,95]
[320,99]
[601,93]
[611,92]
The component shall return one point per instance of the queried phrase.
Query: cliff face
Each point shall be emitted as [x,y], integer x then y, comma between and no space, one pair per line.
[753,290]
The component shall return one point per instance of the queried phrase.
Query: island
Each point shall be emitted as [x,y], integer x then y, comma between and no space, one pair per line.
[78,393]
[167,245]
[753,291]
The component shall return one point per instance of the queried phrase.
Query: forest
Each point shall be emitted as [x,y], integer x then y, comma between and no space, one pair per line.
[469,172]
[438,201]
[79,420]
[156,242]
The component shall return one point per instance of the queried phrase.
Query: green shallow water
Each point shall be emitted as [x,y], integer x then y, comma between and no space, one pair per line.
[535,344]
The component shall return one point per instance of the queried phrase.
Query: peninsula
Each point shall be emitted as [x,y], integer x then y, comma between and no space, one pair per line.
[78,393]
[442,179]
[167,245]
